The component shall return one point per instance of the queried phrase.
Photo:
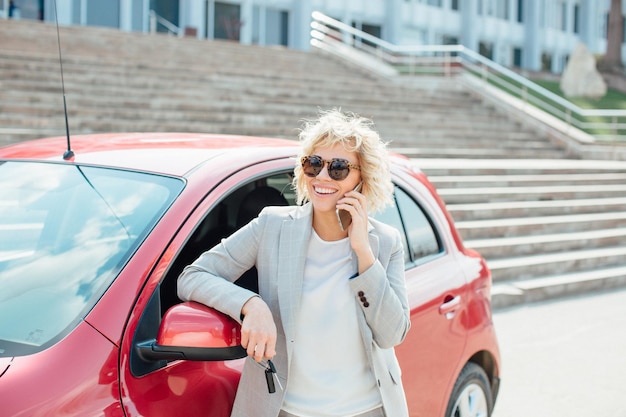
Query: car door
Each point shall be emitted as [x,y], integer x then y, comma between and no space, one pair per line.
[431,352]
[183,387]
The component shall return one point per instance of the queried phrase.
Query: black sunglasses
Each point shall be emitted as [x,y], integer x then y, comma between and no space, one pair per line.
[338,169]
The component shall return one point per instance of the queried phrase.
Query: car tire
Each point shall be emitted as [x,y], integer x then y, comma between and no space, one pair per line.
[471,395]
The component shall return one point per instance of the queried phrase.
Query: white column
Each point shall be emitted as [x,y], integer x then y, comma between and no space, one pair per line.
[126,15]
[468,9]
[262,25]
[83,12]
[210,25]
[589,19]
[191,14]
[531,58]
[393,21]
[300,24]
[246,17]
[64,9]
[145,25]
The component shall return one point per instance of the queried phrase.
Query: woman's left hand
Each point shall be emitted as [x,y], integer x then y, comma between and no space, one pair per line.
[356,204]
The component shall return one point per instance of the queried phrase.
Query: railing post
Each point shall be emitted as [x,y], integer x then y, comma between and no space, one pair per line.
[153,21]
[446,65]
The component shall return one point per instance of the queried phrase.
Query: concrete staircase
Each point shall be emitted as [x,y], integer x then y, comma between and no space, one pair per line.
[548,225]
[118,81]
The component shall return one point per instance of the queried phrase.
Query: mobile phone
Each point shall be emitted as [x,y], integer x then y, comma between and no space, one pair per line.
[343,216]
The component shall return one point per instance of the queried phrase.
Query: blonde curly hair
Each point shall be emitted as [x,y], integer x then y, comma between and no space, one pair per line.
[355,134]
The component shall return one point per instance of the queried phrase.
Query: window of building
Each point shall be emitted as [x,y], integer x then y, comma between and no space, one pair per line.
[546,62]
[517,57]
[164,8]
[227,21]
[520,11]
[454,4]
[24,9]
[576,18]
[370,29]
[486,49]
[449,40]
[105,13]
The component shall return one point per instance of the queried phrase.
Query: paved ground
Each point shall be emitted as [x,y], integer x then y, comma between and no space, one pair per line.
[564,358]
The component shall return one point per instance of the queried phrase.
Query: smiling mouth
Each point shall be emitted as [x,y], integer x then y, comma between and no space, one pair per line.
[324,190]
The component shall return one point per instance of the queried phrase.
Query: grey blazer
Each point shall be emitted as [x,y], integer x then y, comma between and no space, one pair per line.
[276,242]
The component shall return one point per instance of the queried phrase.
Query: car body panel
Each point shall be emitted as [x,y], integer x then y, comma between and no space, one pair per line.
[166,153]
[77,376]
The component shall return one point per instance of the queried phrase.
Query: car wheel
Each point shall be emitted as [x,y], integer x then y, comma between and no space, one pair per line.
[471,396]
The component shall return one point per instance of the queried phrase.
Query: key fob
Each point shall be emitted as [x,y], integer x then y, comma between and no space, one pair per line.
[269,377]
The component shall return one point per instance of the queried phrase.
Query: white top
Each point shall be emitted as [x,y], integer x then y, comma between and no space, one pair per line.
[329,374]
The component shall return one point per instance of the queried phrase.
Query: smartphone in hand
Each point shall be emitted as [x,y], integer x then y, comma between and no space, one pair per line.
[343,216]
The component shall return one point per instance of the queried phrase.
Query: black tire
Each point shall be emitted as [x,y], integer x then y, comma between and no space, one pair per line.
[471,395]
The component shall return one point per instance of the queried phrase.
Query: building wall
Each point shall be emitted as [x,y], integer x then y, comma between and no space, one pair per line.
[532,34]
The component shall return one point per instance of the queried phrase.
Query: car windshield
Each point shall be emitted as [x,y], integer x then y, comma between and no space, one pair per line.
[65,233]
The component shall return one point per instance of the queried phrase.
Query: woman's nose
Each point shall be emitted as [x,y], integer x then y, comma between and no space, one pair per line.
[324,172]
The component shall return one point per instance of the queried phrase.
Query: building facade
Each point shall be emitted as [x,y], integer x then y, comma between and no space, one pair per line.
[529,34]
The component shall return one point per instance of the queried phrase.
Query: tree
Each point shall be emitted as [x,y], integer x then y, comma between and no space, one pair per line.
[612,60]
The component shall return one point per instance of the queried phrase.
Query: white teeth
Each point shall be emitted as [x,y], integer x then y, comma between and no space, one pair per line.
[325,190]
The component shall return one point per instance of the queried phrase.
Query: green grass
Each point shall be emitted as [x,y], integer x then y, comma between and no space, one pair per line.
[612,100]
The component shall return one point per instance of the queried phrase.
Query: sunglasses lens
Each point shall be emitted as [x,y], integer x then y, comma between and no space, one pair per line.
[339,169]
[312,165]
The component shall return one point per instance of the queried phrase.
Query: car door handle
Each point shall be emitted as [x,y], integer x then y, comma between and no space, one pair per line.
[450,306]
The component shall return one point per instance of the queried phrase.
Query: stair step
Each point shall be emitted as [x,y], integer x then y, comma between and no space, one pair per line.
[442,166]
[492,194]
[524,267]
[523,226]
[526,180]
[508,293]
[495,248]
[534,208]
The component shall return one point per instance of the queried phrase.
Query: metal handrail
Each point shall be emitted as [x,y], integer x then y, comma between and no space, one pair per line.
[156,20]
[603,124]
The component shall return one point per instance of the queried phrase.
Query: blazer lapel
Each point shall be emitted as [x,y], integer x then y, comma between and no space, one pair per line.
[294,237]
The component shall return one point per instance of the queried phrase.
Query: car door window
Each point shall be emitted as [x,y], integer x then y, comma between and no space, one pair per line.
[423,239]
[234,211]
[391,216]
[419,236]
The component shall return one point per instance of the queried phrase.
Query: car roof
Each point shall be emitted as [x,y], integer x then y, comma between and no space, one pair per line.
[166,153]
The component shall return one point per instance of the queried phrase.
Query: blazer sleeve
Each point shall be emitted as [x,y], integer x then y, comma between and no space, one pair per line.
[383,286]
[209,279]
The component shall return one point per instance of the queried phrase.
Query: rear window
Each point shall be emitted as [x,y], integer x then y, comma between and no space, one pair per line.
[65,233]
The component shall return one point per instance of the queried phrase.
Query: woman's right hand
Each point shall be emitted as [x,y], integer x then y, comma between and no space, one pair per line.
[258,330]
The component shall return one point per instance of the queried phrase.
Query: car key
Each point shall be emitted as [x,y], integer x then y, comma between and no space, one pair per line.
[270,381]
[270,374]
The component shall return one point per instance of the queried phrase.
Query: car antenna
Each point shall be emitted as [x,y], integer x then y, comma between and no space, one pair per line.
[68,154]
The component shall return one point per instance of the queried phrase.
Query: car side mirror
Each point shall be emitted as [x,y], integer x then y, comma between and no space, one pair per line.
[193,331]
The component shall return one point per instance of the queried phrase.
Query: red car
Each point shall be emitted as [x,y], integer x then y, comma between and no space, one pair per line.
[90,249]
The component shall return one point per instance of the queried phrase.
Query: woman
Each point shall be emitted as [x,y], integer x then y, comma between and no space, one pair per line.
[332,300]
